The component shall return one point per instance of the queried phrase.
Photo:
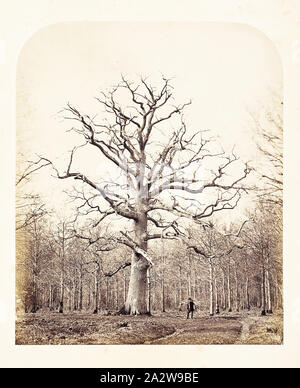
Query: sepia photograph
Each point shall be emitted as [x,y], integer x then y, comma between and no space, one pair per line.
[149,185]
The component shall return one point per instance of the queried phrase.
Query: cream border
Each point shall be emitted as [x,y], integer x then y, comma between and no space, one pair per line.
[278,20]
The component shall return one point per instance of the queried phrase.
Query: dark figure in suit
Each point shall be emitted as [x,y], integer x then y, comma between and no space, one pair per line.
[190,308]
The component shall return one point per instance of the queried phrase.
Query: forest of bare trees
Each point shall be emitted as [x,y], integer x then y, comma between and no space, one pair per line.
[64,272]
[153,235]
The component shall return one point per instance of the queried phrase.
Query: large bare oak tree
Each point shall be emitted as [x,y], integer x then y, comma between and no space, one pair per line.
[144,135]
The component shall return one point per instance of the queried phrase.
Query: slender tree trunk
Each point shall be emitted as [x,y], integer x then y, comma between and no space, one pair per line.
[97,288]
[35,270]
[259,297]
[268,291]
[211,289]
[107,294]
[180,285]
[89,296]
[43,298]
[206,294]
[50,298]
[34,294]
[163,307]
[237,295]
[96,307]
[263,291]
[194,282]
[275,302]
[75,291]
[154,298]
[277,293]
[217,296]
[124,287]
[149,290]
[69,298]
[229,289]
[224,306]
[62,291]
[163,279]
[189,291]
[62,275]
[200,292]
[247,293]
[80,288]
[117,291]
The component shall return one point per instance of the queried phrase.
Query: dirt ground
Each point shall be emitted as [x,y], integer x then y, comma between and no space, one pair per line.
[52,328]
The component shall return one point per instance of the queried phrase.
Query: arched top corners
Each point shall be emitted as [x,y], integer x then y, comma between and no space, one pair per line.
[52,26]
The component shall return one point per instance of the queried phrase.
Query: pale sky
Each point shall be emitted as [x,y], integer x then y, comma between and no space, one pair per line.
[226,69]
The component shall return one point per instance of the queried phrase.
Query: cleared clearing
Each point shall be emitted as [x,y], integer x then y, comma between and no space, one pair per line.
[52,328]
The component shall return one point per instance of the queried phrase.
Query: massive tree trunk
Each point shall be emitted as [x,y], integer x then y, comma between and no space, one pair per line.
[136,302]
[137,292]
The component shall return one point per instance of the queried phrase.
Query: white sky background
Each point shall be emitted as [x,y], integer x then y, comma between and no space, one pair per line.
[224,68]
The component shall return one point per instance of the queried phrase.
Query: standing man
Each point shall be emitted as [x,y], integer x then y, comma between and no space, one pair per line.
[190,308]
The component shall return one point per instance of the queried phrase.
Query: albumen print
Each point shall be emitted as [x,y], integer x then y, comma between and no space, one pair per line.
[149,185]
